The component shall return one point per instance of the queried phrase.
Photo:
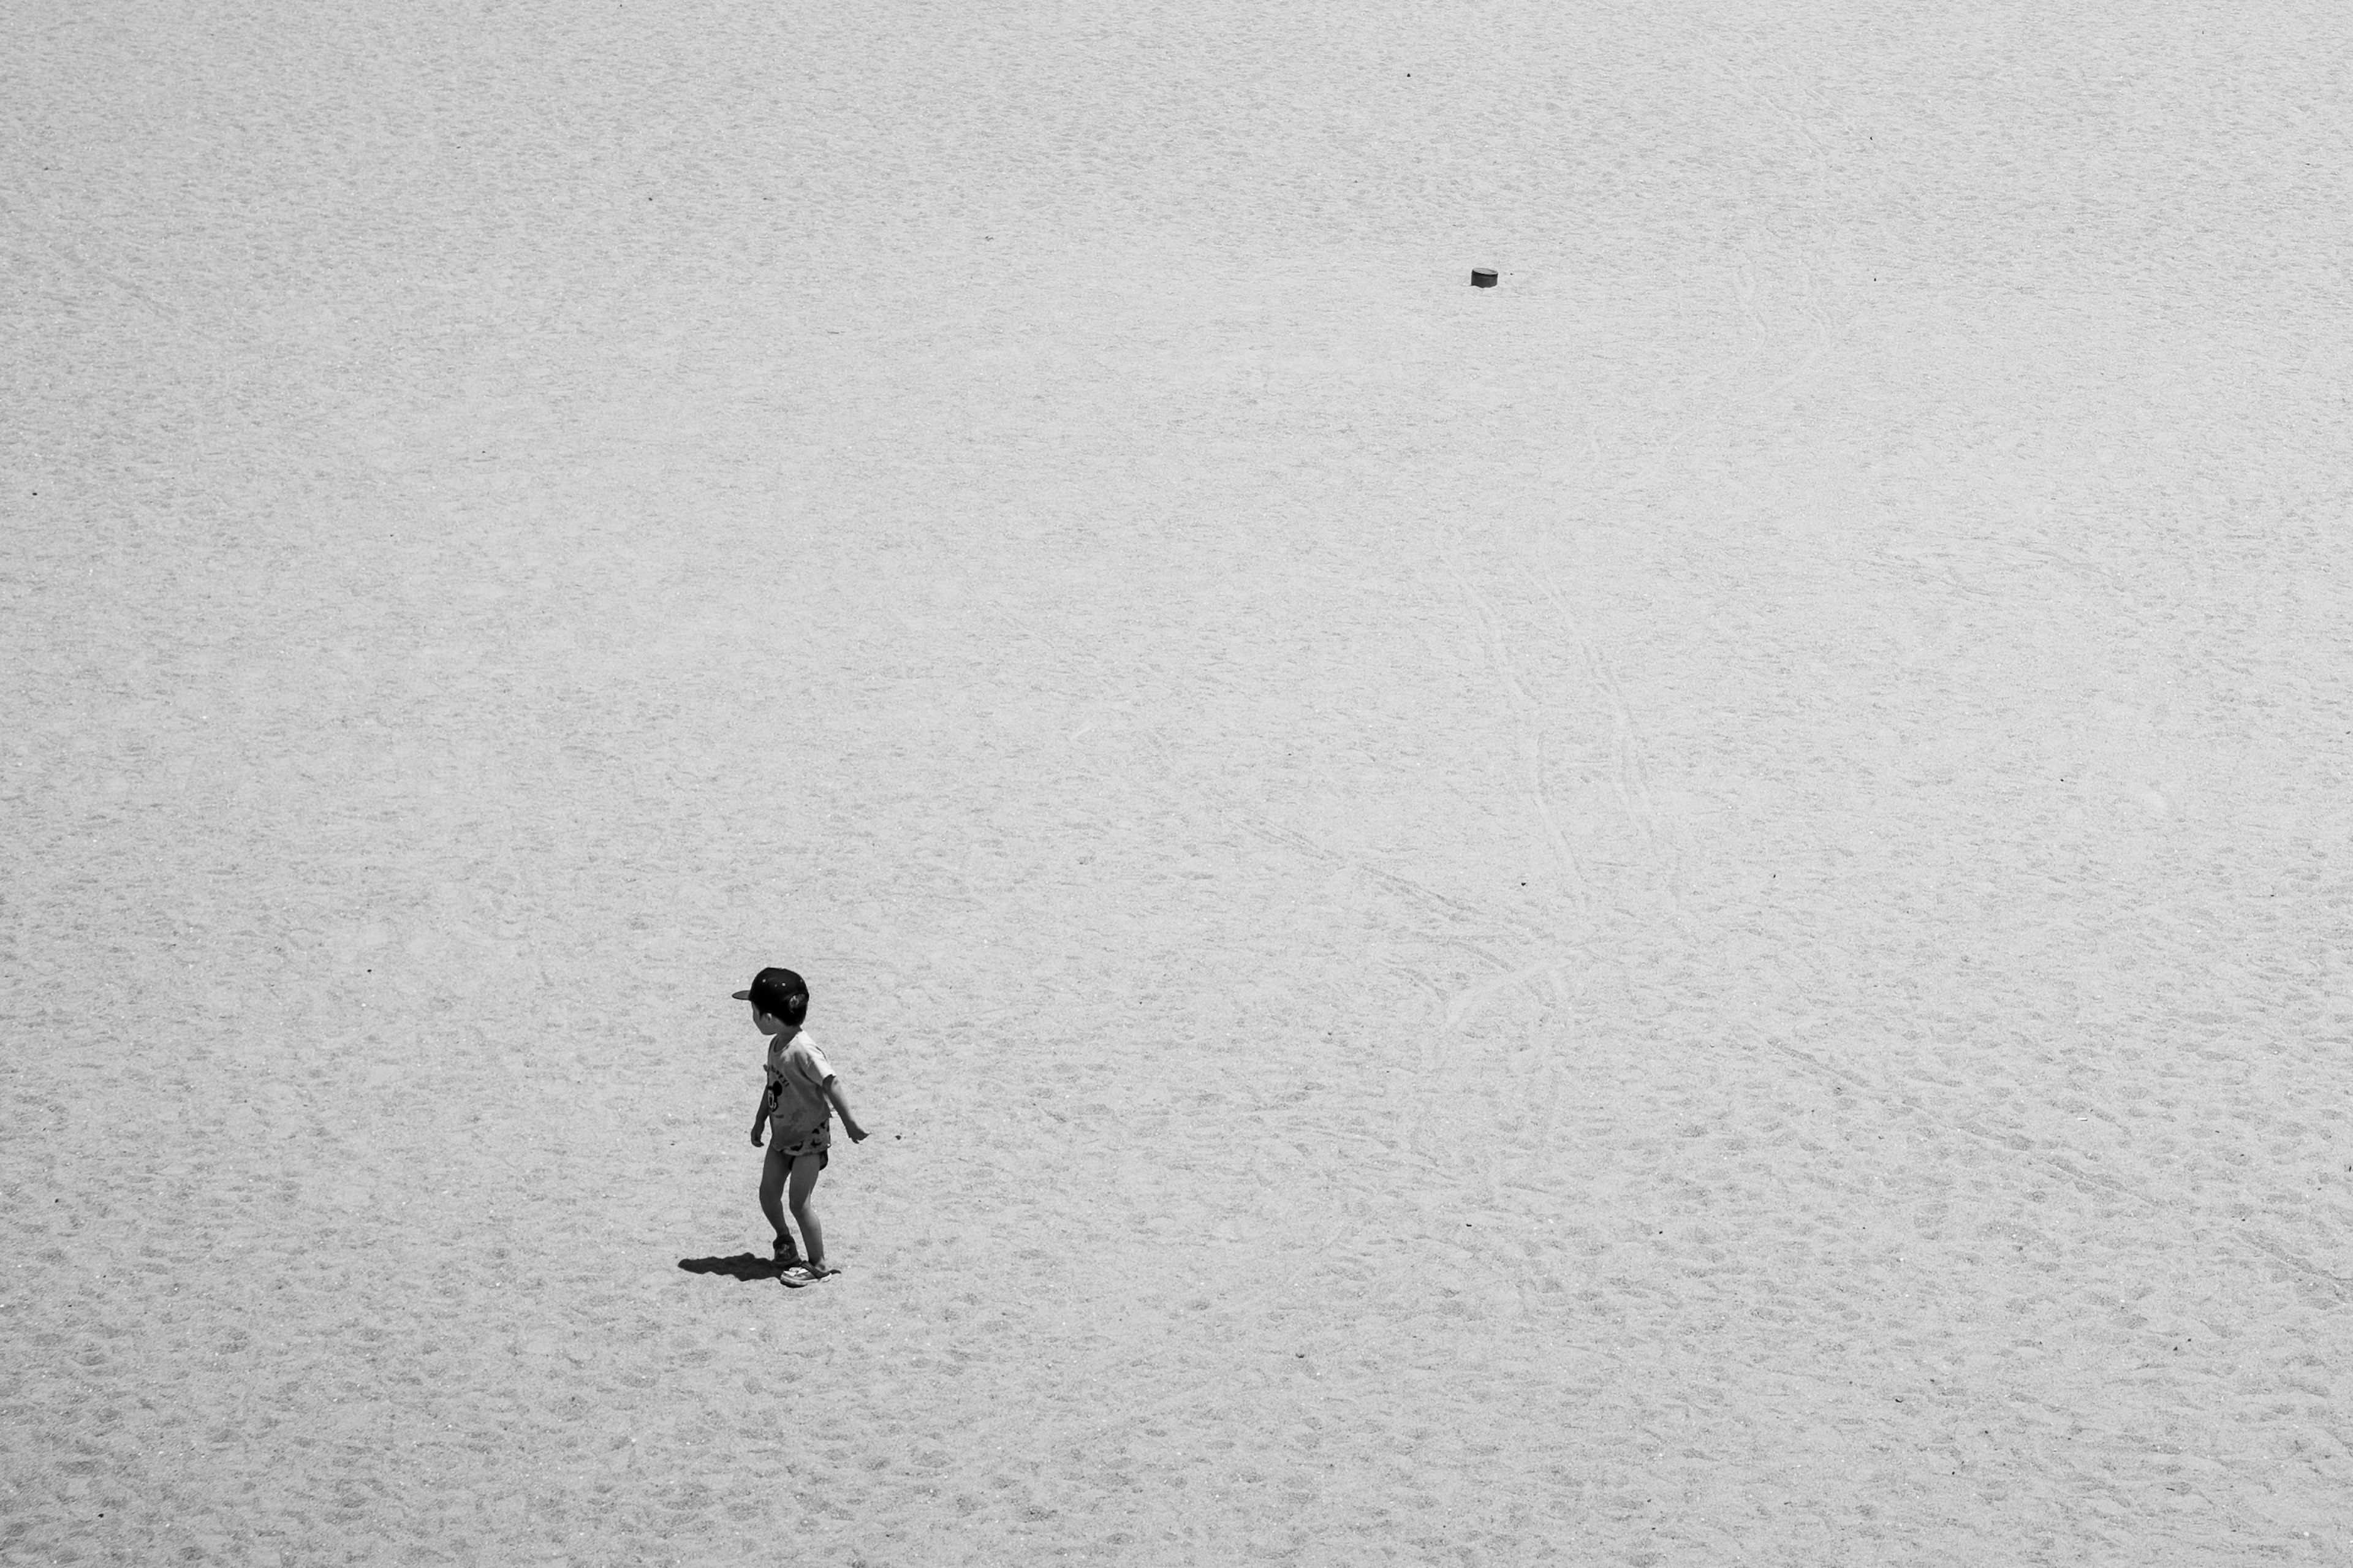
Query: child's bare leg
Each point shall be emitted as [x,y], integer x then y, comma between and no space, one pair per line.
[772,1189]
[805,1173]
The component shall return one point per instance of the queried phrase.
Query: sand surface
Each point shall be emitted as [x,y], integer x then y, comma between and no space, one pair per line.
[1691,911]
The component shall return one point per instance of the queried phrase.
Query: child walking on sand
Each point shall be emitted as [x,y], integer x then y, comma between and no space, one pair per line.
[799,1107]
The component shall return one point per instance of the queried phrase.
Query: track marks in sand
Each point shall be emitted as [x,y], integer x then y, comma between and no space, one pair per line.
[1471,925]
[1628,772]
[1581,743]
[2336,1287]
[1527,722]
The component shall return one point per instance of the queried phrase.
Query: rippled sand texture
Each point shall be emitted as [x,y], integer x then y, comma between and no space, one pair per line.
[1690,911]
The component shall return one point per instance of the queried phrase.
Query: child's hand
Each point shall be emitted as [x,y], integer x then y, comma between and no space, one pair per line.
[755,1138]
[857,1134]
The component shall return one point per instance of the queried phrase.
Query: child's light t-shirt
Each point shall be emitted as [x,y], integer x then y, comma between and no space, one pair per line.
[799,1071]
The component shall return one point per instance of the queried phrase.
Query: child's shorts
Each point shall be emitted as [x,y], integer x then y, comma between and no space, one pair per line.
[815,1143]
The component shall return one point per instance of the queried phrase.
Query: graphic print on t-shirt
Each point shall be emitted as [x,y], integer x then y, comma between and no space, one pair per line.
[798,1071]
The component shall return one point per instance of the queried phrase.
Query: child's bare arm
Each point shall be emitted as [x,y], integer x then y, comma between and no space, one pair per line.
[841,1107]
[760,1117]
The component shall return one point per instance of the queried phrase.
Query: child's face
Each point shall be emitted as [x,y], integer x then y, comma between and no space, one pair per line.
[764,1023]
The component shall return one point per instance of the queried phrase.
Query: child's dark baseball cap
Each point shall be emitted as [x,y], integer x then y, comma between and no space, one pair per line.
[779,993]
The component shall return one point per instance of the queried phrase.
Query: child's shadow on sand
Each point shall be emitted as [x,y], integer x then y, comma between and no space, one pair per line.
[743,1266]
